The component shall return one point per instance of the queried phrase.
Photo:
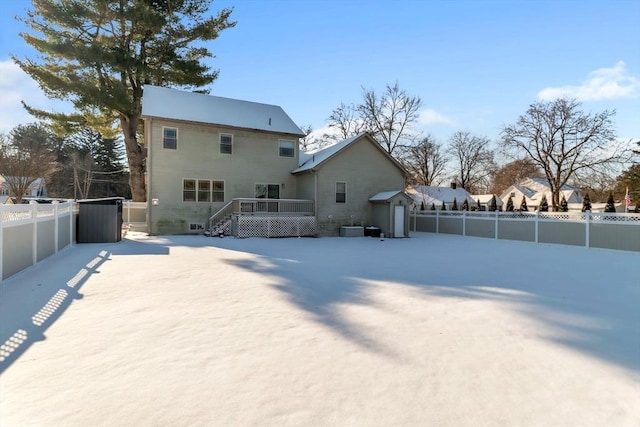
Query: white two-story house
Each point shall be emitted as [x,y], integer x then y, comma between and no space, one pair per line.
[221,164]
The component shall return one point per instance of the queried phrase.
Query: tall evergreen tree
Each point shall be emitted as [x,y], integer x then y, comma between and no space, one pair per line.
[510,204]
[465,205]
[478,206]
[586,203]
[98,54]
[493,204]
[443,207]
[610,207]
[523,205]
[544,205]
[564,206]
[422,206]
[454,206]
[433,206]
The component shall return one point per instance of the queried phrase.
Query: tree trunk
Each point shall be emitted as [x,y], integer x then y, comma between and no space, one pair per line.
[136,158]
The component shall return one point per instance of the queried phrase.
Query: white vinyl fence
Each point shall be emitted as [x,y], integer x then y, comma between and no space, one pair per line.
[30,233]
[600,230]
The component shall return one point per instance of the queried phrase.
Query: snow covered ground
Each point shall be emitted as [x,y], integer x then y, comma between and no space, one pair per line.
[435,330]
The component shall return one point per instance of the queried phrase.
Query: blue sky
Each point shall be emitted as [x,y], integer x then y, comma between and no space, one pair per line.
[477,65]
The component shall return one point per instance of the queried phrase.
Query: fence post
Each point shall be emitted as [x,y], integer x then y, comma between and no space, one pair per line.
[464,223]
[2,209]
[588,226]
[34,240]
[70,223]
[437,221]
[496,227]
[56,224]
[536,222]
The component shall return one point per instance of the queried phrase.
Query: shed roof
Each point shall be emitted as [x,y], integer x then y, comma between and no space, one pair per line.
[175,104]
[386,195]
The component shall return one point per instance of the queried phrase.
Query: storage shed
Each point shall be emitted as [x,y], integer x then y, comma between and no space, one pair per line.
[99,220]
[391,212]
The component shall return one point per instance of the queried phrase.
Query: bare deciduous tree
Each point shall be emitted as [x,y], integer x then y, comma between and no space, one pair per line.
[512,173]
[25,158]
[310,142]
[388,117]
[474,160]
[345,120]
[563,141]
[424,161]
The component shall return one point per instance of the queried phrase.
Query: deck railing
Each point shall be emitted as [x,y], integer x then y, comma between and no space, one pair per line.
[273,207]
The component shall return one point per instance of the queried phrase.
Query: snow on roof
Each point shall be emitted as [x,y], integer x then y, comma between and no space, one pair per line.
[486,198]
[175,104]
[437,195]
[310,160]
[385,195]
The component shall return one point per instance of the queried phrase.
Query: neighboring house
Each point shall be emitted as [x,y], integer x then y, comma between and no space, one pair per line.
[533,189]
[435,196]
[342,179]
[485,201]
[37,188]
[222,164]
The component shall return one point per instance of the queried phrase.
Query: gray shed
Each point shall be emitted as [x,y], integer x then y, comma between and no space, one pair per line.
[99,220]
[391,212]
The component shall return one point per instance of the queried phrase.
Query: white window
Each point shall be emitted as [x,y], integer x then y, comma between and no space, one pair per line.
[267,191]
[204,190]
[226,143]
[189,190]
[287,148]
[341,192]
[170,138]
[218,191]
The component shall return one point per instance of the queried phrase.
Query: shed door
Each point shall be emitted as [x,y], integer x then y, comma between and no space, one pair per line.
[398,221]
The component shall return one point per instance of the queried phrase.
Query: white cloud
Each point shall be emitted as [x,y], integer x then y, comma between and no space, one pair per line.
[16,86]
[603,83]
[432,117]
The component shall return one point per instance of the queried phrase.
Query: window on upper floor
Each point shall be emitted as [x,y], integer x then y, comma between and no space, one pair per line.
[341,192]
[287,148]
[226,143]
[170,138]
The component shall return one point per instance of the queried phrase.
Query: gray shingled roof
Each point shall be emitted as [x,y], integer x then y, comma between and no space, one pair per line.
[175,104]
